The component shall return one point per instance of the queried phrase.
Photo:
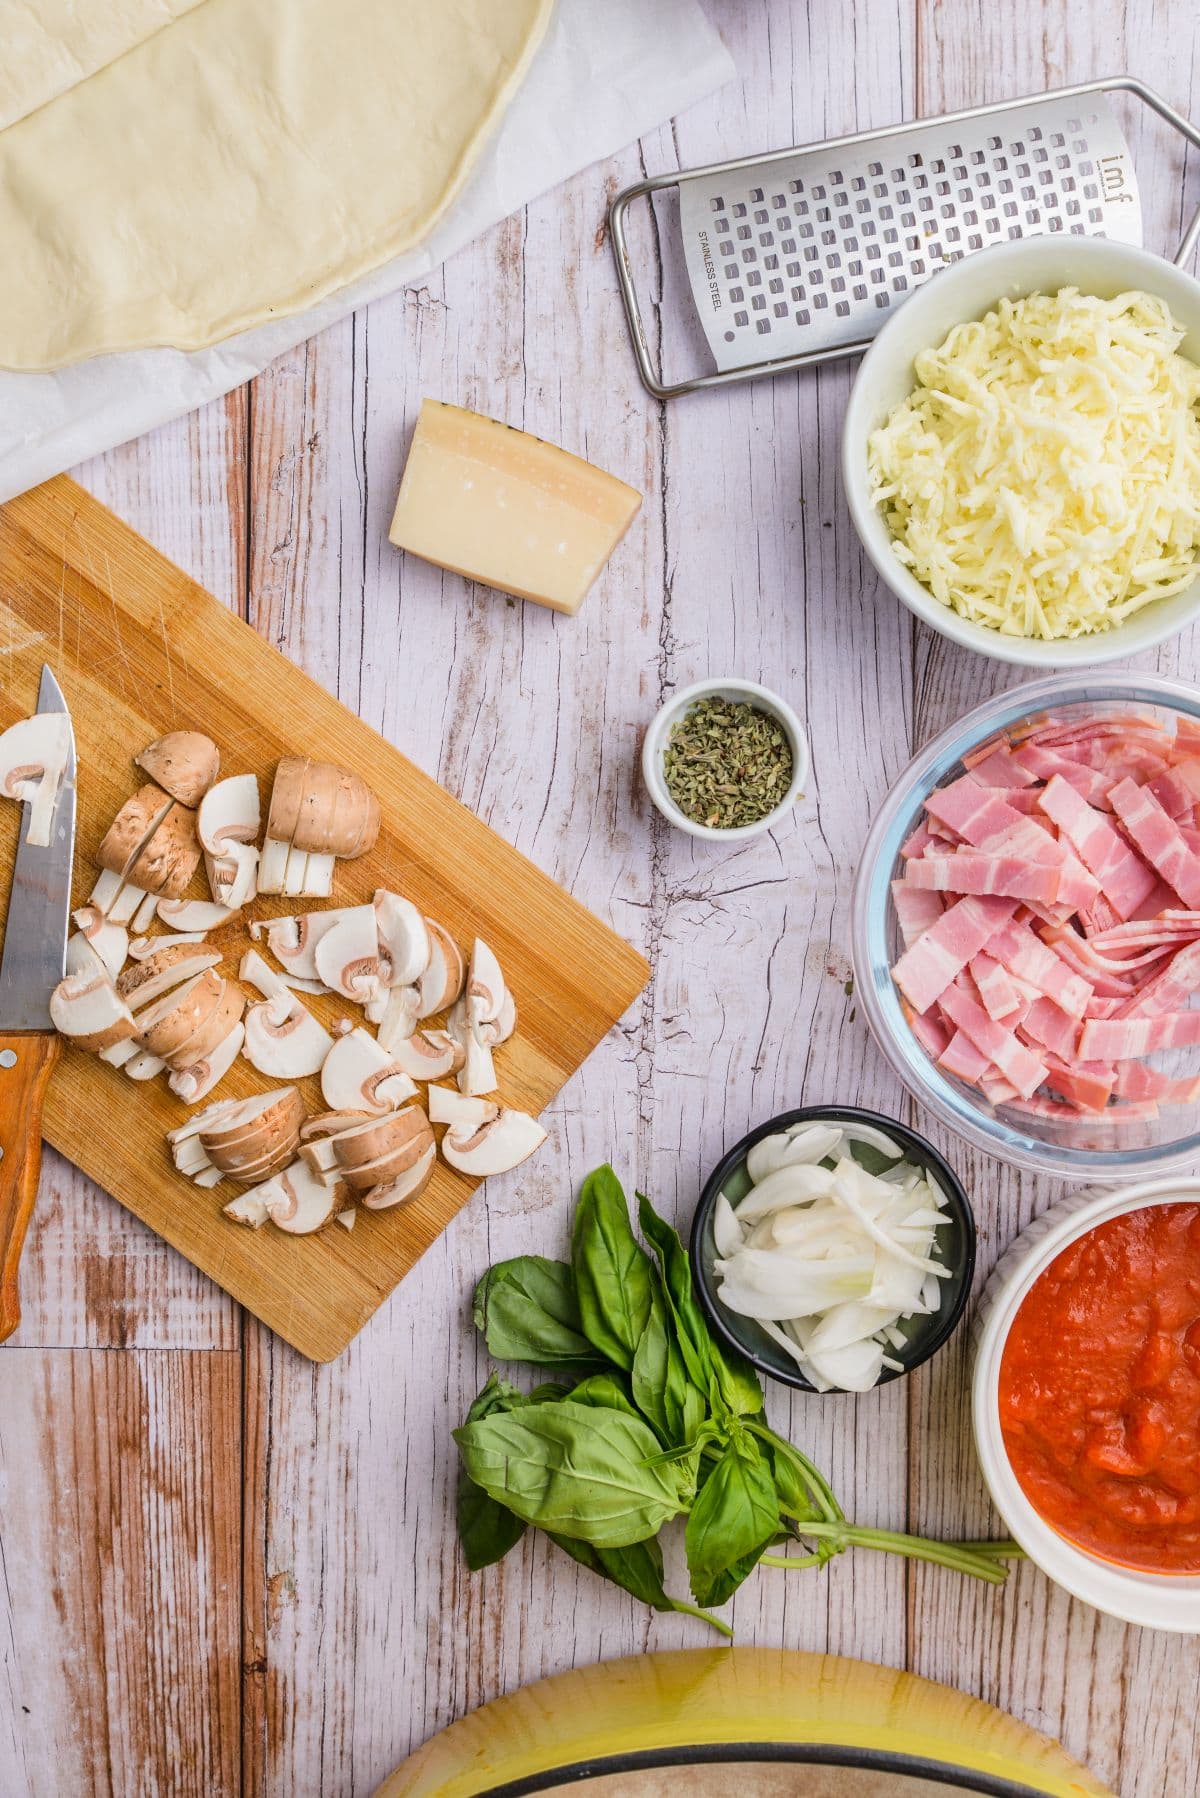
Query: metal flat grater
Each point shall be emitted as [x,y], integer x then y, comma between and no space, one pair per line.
[800,256]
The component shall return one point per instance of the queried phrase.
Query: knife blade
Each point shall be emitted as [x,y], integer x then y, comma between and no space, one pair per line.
[35,936]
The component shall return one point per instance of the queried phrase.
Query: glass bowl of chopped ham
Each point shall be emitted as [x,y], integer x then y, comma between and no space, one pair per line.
[1026,926]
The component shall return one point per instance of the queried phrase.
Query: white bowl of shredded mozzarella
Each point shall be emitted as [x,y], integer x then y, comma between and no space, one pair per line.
[827,1258]
[1022,451]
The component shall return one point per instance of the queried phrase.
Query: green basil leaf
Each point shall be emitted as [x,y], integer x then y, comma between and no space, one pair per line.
[487,1530]
[637,1569]
[734,1520]
[527,1311]
[723,1374]
[612,1271]
[574,1470]
[606,1391]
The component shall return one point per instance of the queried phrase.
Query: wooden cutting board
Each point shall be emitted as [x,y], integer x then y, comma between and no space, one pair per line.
[140,649]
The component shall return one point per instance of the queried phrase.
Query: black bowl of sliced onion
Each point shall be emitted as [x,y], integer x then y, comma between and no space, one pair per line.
[834,1248]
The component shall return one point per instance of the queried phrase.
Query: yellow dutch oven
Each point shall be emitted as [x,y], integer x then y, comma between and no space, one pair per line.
[778,1722]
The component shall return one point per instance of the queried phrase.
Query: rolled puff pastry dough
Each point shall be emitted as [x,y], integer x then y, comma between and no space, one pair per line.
[243,163]
[48,46]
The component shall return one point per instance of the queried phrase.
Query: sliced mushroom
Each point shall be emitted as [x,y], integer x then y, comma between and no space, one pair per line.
[495,1147]
[81,958]
[131,830]
[397,1014]
[193,916]
[195,1081]
[284,1039]
[294,871]
[360,1076]
[318,876]
[485,985]
[298,1202]
[442,981]
[445,1106]
[189,1157]
[229,815]
[184,763]
[141,948]
[166,863]
[322,809]
[347,1218]
[119,1053]
[212,1031]
[506,1022]
[477,1075]
[144,916]
[293,941]
[247,1209]
[88,1009]
[330,1123]
[363,1143]
[429,1055]
[269,1117]
[110,941]
[144,1065]
[272,865]
[167,1023]
[403,937]
[167,968]
[348,957]
[406,1186]
[33,760]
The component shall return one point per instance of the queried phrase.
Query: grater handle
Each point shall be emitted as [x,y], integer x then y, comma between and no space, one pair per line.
[651,376]
[1130,84]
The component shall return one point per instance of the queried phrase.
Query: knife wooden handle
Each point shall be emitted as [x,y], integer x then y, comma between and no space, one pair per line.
[26,1063]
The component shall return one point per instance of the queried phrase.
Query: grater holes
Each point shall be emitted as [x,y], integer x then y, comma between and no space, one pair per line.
[883,299]
[722,225]
[793,269]
[737,294]
[820,302]
[779,201]
[842,308]
[803,316]
[767,239]
[729,336]
[836,177]
[838,284]
[739,210]
[858,184]
[795,187]
[762,326]
[1041,155]
[874,168]
[797,293]
[974,241]
[756,194]
[758,302]
[717,205]
[741,318]
[818,192]
[854,266]
[1058,140]
[762,216]
[775,285]
[788,246]
[732,271]
[754,278]
[860,292]
[977,157]
[780,310]
[744,232]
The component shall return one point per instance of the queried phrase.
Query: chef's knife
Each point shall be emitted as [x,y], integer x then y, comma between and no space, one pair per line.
[35,948]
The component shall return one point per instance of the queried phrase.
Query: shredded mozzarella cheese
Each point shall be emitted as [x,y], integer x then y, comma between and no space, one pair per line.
[1044,476]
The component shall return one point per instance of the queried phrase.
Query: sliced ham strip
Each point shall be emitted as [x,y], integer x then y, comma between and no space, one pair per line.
[1048,1026]
[974,812]
[1170,989]
[1157,836]
[1136,1081]
[1124,878]
[1090,1084]
[970,872]
[916,910]
[941,953]
[1001,769]
[1016,1062]
[999,996]
[1129,1039]
[1044,764]
[961,1058]
[917,843]
[1024,954]
[929,1031]
[1178,790]
[1074,951]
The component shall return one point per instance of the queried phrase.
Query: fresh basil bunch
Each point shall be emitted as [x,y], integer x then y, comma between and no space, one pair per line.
[647,1419]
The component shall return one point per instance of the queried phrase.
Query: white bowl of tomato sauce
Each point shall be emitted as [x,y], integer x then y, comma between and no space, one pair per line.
[1086,1398]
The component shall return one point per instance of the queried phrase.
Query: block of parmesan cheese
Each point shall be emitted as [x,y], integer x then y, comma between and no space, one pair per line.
[499,506]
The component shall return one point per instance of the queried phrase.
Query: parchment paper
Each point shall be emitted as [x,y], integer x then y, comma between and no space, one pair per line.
[608,71]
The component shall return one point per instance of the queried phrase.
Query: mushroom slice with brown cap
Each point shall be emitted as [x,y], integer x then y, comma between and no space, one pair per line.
[141,948]
[119,903]
[212,1031]
[403,937]
[33,760]
[166,863]
[331,1123]
[266,1117]
[366,1142]
[146,912]
[226,1114]
[445,1106]
[169,967]
[88,1009]
[195,1081]
[110,941]
[168,1022]
[184,763]
[358,1075]
[485,985]
[298,1201]
[81,958]
[193,916]
[348,957]
[130,831]
[322,809]
[189,1157]
[442,981]
[429,1055]
[406,1186]
[495,1147]
[284,1039]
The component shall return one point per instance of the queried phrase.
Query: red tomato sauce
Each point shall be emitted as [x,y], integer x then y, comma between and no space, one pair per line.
[1100,1391]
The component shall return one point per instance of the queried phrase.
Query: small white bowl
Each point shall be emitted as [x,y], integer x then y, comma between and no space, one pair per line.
[967,290]
[1155,1600]
[657,736]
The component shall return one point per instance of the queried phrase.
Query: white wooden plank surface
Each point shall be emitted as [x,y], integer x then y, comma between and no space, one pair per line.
[362,1632]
